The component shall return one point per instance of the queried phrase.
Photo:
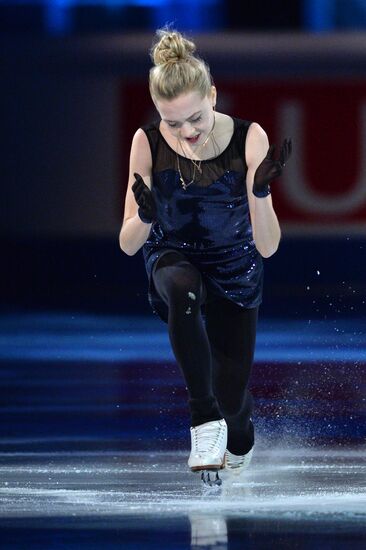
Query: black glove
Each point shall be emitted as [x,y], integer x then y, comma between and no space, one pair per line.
[144,199]
[270,168]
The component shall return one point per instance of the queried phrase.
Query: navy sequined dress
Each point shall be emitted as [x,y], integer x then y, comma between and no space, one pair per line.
[209,222]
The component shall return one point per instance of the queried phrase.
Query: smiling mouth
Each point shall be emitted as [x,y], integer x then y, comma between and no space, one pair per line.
[193,139]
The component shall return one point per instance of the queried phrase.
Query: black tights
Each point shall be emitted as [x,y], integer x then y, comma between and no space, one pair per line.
[215,357]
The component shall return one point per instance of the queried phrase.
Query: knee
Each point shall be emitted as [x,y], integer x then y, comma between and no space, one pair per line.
[186,293]
[180,284]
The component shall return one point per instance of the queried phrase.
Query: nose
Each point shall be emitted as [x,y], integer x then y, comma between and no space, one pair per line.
[187,130]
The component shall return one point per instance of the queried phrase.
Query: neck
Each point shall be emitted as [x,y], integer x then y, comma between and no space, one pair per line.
[210,132]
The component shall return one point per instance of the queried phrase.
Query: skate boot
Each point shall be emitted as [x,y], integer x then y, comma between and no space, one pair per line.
[236,464]
[209,442]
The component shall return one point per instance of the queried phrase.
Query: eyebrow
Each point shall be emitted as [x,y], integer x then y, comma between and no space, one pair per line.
[194,114]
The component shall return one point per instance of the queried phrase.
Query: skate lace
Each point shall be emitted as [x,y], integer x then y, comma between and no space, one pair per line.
[237,461]
[208,438]
[234,461]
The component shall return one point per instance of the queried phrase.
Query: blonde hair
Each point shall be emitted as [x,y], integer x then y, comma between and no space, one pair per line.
[176,70]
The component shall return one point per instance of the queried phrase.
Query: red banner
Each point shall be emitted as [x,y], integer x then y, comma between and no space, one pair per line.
[323,188]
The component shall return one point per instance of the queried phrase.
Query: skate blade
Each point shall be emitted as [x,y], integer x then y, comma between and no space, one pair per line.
[211,478]
[208,467]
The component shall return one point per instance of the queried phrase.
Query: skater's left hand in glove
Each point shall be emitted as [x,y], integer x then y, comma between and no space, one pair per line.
[144,199]
[270,168]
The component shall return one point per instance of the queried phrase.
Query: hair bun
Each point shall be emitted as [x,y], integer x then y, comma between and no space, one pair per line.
[171,47]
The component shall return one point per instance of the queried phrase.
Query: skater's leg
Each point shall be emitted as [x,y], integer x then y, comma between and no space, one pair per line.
[180,285]
[232,332]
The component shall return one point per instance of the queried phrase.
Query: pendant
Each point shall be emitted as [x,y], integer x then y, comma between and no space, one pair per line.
[184,184]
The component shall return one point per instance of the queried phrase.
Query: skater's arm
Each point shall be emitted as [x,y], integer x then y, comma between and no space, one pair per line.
[266,229]
[134,231]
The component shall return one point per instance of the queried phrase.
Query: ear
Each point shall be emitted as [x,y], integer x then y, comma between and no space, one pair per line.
[213,95]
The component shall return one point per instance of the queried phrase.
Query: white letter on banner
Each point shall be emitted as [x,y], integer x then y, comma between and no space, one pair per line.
[297,188]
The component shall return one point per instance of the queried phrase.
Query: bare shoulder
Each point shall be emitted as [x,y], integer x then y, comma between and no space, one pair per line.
[256,145]
[140,142]
[140,157]
[140,163]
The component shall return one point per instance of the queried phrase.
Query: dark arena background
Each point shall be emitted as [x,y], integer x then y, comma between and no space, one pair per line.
[93,410]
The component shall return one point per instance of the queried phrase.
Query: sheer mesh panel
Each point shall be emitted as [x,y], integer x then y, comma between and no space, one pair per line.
[231,159]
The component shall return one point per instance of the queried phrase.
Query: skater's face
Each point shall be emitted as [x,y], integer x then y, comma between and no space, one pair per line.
[189,116]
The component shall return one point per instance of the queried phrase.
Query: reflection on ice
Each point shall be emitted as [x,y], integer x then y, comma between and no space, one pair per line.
[208,532]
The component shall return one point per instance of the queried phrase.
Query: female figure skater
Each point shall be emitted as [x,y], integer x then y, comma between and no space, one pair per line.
[199,203]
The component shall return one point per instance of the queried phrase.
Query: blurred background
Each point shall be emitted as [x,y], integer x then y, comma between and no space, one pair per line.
[73,90]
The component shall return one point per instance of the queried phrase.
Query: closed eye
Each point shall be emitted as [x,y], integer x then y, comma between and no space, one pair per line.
[174,124]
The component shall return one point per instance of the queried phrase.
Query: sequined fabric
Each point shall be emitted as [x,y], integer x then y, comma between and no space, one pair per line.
[209,222]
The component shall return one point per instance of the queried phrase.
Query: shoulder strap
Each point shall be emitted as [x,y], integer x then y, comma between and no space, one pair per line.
[240,130]
[242,125]
[151,131]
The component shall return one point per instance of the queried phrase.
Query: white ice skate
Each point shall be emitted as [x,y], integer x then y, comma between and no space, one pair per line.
[236,464]
[208,442]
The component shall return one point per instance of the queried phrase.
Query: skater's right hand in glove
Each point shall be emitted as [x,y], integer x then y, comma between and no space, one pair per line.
[144,199]
[271,168]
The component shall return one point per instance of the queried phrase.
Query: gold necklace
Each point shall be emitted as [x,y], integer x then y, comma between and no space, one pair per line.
[183,183]
[196,163]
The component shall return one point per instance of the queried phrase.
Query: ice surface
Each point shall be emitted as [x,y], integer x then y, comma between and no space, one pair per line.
[290,483]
